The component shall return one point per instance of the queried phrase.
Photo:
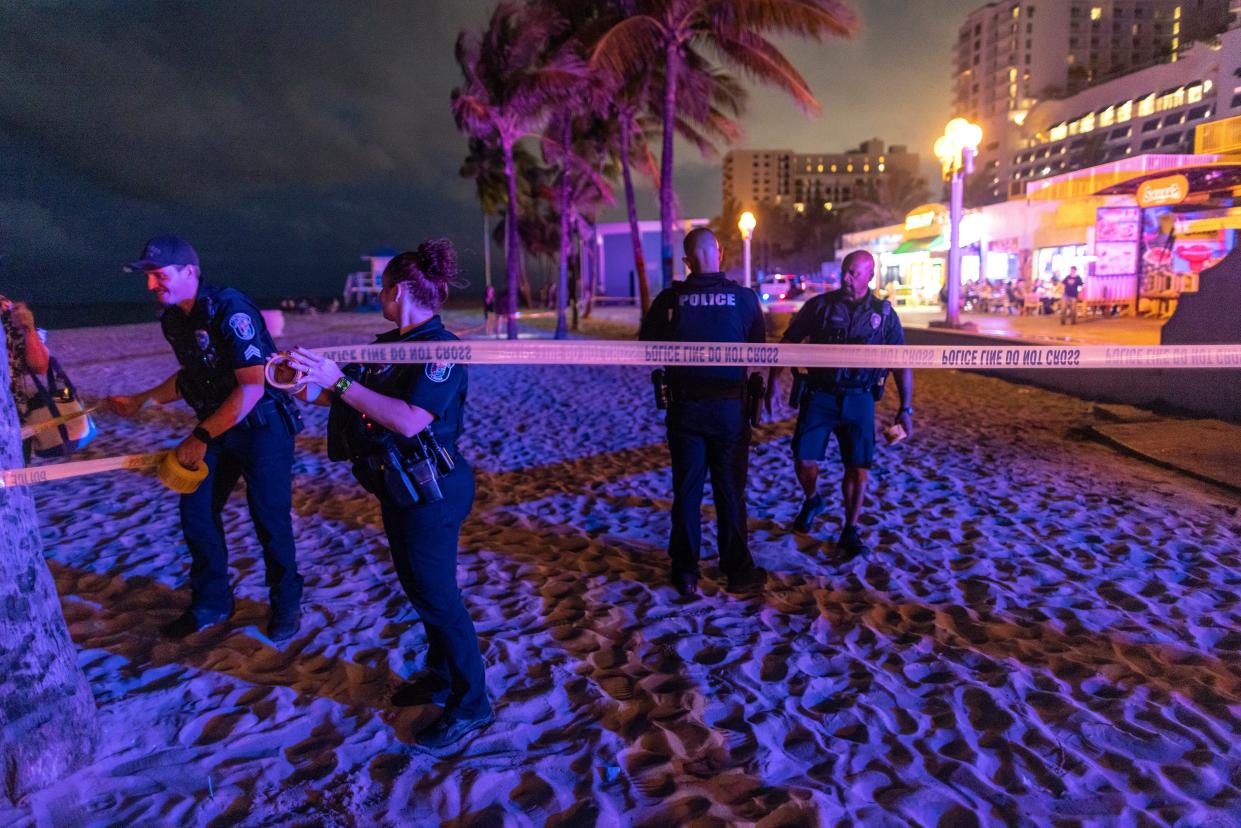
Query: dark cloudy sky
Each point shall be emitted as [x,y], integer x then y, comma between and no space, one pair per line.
[286,139]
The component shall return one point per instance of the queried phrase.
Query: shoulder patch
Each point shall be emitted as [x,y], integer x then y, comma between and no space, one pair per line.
[242,325]
[438,371]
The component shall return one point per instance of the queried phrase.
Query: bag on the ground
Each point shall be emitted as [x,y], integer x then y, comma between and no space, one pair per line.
[55,398]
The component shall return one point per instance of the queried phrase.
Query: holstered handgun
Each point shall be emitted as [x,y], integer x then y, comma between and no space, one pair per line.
[389,465]
[754,398]
[795,391]
[659,385]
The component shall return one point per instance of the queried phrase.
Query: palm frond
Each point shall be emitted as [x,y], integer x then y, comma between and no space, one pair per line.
[761,59]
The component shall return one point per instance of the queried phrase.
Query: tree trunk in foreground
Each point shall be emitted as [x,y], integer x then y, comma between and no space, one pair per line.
[47,713]
[631,211]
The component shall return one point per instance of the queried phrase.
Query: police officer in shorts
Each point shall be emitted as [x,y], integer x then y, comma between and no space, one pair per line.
[841,401]
[708,420]
[244,431]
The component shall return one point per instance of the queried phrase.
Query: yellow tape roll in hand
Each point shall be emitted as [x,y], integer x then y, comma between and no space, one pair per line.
[177,477]
[171,473]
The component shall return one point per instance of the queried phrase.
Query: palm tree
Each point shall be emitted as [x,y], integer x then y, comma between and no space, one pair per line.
[669,34]
[485,165]
[48,726]
[630,105]
[898,192]
[584,159]
[510,85]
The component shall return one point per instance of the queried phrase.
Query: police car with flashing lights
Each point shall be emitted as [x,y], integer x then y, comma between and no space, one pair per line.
[777,288]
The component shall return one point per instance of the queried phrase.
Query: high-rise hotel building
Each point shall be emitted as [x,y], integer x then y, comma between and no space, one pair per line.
[799,182]
[1012,55]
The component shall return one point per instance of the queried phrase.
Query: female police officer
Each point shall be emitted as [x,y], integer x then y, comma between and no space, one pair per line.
[399,425]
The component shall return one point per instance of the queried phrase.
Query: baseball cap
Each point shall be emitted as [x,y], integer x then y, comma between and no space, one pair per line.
[162,251]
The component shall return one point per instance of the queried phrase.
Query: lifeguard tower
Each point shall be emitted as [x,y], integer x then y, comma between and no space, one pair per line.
[362,287]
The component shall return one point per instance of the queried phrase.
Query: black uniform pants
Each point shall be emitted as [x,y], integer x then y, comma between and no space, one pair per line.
[263,457]
[423,542]
[709,435]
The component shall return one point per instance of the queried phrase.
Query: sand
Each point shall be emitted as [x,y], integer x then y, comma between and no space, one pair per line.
[1046,633]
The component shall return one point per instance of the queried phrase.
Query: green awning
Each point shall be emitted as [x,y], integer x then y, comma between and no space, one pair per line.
[922,245]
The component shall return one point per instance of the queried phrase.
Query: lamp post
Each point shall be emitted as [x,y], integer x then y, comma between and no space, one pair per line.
[955,150]
[746,225]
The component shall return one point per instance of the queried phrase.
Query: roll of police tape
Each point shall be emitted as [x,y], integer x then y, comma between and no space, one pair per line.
[170,472]
[614,352]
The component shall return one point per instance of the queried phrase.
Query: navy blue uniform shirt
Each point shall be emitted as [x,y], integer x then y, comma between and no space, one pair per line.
[830,318]
[222,332]
[706,307]
[436,387]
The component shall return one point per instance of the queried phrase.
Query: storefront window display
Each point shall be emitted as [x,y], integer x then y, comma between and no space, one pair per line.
[1054,262]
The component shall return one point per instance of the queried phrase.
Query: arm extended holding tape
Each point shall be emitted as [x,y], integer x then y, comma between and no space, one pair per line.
[128,405]
[393,414]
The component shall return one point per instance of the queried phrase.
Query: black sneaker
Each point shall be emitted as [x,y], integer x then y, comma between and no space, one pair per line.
[284,622]
[424,688]
[685,583]
[192,621]
[450,729]
[811,508]
[748,580]
[850,544]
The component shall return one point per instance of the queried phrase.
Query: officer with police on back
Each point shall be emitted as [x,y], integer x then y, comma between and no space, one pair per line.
[245,430]
[710,410]
[841,401]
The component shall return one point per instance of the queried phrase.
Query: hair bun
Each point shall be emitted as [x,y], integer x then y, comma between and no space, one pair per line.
[437,259]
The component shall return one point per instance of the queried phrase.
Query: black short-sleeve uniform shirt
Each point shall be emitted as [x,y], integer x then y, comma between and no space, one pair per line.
[221,333]
[830,318]
[436,387]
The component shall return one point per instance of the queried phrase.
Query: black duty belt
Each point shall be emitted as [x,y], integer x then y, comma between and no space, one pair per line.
[726,392]
[839,390]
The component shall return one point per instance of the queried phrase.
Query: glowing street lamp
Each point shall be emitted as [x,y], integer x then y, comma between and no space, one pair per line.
[955,150]
[746,225]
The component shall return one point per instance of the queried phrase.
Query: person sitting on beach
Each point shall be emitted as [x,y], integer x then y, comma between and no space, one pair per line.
[399,426]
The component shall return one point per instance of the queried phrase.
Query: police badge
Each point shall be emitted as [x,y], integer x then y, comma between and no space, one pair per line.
[875,321]
[438,371]
[242,326]
[203,339]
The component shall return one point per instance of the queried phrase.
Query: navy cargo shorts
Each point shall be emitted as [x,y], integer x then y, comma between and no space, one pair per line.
[851,417]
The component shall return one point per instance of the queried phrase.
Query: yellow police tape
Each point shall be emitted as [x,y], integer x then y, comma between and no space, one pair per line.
[621,352]
[169,471]
[29,431]
[597,352]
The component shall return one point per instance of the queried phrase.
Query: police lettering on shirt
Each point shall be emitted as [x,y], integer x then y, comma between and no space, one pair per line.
[706,307]
[708,299]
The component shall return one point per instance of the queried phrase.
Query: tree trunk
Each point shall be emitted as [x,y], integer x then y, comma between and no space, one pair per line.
[566,199]
[47,713]
[512,247]
[486,250]
[635,233]
[666,218]
[586,264]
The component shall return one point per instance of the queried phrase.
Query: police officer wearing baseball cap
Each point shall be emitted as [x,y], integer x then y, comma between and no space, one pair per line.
[841,401]
[245,430]
[708,423]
